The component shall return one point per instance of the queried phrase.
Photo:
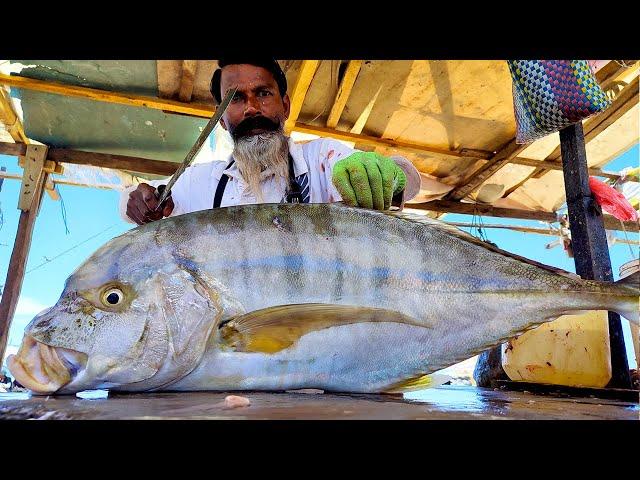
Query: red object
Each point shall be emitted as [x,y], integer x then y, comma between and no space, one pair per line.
[612,201]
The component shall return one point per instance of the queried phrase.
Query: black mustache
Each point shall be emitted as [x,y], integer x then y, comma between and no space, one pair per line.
[250,123]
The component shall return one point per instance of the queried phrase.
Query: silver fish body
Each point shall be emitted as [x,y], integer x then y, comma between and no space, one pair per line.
[398,297]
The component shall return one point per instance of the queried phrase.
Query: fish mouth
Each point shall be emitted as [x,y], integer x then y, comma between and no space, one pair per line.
[44,369]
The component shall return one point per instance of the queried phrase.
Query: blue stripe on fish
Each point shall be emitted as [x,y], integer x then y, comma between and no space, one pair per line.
[314,265]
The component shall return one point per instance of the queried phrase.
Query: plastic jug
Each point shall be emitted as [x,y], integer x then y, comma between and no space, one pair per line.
[626,270]
[572,350]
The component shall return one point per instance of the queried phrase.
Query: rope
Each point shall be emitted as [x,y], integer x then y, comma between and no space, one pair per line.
[627,238]
[63,211]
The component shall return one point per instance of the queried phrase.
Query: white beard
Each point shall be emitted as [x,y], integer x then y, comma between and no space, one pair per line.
[257,153]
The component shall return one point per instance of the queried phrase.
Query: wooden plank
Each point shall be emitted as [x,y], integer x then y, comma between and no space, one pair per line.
[194,109]
[538,231]
[387,142]
[105,186]
[18,261]
[13,149]
[364,116]
[558,166]
[608,74]
[34,172]
[189,68]
[299,92]
[349,79]
[477,178]
[16,130]
[10,120]
[456,402]
[589,239]
[120,162]
[447,206]
[107,160]
[621,394]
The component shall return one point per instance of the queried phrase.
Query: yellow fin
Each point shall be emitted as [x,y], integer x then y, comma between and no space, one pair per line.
[272,329]
[418,383]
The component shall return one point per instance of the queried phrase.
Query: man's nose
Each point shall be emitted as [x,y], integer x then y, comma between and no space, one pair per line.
[252,107]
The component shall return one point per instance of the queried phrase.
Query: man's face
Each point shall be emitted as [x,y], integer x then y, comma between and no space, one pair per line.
[257,106]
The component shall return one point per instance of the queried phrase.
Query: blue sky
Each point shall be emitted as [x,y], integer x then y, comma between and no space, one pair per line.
[93,212]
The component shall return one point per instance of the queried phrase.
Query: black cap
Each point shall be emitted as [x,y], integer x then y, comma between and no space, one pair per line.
[268,64]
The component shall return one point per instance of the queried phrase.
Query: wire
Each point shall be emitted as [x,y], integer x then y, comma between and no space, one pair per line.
[70,249]
[63,211]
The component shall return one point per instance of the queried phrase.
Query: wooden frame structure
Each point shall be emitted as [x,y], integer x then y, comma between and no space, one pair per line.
[49,160]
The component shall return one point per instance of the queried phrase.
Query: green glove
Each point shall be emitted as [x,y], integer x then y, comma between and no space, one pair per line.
[368,180]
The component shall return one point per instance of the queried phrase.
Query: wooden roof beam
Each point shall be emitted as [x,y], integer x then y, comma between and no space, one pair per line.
[106,160]
[447,206]
[10,120]
[299,92]
[194,109]
[205,111]
[189,68]
[14,126]
[349,79]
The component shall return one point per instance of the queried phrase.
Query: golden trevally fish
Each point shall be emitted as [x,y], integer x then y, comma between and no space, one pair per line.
[279,297]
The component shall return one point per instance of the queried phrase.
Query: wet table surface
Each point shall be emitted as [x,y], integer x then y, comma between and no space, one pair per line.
[442,403]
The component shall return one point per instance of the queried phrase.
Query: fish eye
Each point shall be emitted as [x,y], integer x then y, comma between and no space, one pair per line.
[112,297]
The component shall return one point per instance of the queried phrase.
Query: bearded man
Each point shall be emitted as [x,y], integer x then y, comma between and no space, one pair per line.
[268,167]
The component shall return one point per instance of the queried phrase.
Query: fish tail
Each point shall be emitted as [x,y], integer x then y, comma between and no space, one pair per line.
[629,289]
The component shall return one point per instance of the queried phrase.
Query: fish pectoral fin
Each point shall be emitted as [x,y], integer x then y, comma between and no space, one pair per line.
[418,383]
[272,329]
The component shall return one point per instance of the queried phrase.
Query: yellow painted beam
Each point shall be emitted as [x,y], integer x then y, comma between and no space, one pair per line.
[197,110]
[299,92]
[14,126]
[11,121]
[344,91]
[189,68]
[364,116]
[387,142]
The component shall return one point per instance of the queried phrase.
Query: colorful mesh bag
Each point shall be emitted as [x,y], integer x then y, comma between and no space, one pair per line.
[549,95]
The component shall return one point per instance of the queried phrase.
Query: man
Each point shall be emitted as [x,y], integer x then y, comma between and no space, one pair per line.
[266,166]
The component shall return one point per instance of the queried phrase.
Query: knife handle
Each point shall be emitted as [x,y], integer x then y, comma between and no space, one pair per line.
[159,191]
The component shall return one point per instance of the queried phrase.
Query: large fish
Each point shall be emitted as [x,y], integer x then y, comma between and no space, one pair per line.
[278,297]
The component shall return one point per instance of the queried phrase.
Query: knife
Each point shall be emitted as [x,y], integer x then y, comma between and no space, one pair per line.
[166,191]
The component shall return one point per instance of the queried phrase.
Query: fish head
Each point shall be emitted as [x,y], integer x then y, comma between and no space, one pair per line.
[129,318]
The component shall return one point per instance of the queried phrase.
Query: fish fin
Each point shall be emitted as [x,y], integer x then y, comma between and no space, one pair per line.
[632,281]
[629,309]
[418,383]
[456,232]
[630,313]
[272,329]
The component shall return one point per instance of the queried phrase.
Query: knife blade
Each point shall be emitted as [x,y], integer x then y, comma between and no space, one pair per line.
[166,191]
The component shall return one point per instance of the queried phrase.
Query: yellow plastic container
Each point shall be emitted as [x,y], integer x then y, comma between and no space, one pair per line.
[572,350]
[626,270]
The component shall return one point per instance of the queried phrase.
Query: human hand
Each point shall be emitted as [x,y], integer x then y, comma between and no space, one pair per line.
[142,203]
[368,180]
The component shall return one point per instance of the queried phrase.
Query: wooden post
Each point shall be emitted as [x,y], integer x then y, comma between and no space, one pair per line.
[33,183]
[589,241]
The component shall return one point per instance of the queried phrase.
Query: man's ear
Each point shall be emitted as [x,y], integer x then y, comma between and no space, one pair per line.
[287,105]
